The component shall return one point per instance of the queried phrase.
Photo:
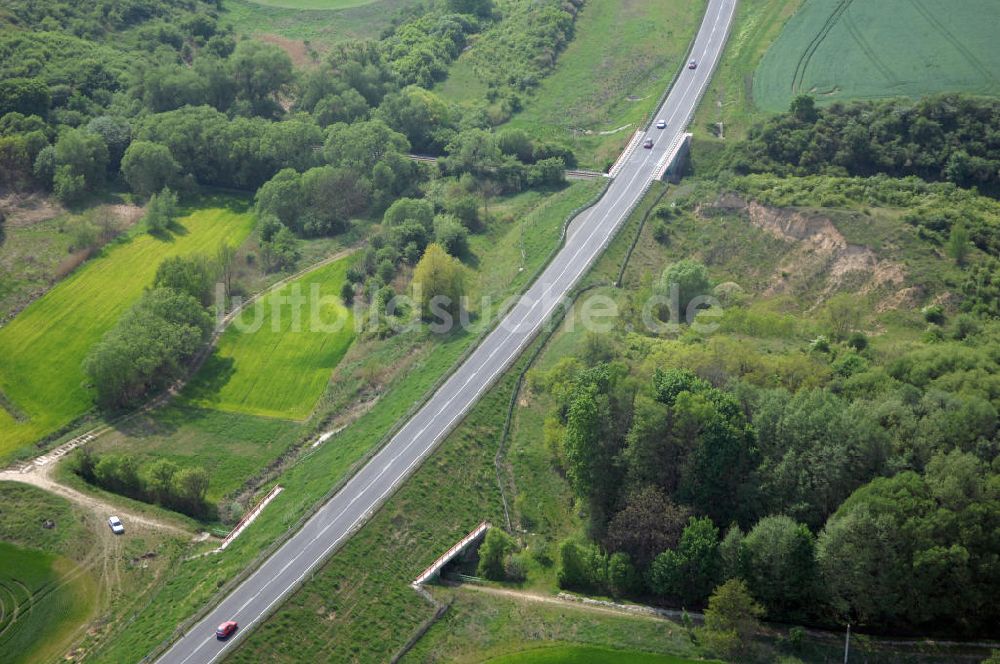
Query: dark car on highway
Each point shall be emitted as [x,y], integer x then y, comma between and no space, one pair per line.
[648,144]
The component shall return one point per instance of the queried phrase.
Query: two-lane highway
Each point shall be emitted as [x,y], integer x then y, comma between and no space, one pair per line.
[334,522]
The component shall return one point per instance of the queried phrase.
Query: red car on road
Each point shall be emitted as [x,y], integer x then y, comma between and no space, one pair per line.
[648,144]
[226,629]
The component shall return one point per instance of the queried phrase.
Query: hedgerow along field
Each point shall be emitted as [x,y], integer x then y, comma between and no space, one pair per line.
[231,447]
[43,599]
[274,362]
[839,50]
[43,348]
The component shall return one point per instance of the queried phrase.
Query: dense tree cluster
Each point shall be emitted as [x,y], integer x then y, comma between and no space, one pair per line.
[147,348]
[513,55]
[807,495]
[937,138]
[161,481]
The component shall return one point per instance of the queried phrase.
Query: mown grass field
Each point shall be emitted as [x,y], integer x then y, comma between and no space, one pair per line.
[275,359]
[43,599]
[42,349]
[850,49]
[603,84]
[586,655]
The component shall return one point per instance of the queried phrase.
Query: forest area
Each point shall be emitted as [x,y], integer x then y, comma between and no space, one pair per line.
[821,454]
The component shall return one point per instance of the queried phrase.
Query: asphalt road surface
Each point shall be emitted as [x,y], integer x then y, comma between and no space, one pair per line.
[334,522]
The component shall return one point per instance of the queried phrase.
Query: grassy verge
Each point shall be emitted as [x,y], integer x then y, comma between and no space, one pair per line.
[275,360]
[230,446]
[729,99]
[602,89]
[42,349]
[485,627]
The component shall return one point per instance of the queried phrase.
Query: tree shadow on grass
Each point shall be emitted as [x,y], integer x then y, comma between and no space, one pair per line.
[169,234]
[213,376]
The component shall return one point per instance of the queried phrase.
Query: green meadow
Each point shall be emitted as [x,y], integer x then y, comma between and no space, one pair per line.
[43,348]
[839,50]
[43,599]
[586,655]
[276,358]
[312,4]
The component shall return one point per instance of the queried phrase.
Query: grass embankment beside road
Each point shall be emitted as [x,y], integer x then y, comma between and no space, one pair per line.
[840,50]
[609,78]
[493,629]
[276,357]
[43,348]
[394,374]
[729,99]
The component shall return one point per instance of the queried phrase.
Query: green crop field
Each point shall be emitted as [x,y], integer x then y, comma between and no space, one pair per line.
[276,358]
[43,599]
[42,349]
[586,655]
[601,85]
[841,49]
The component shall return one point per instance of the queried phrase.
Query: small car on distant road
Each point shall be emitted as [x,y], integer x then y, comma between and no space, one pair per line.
[226,629]
[117,527]
[661,124]
[648,144]
[692,64]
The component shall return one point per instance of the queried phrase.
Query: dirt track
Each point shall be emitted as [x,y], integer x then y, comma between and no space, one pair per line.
[41,477]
